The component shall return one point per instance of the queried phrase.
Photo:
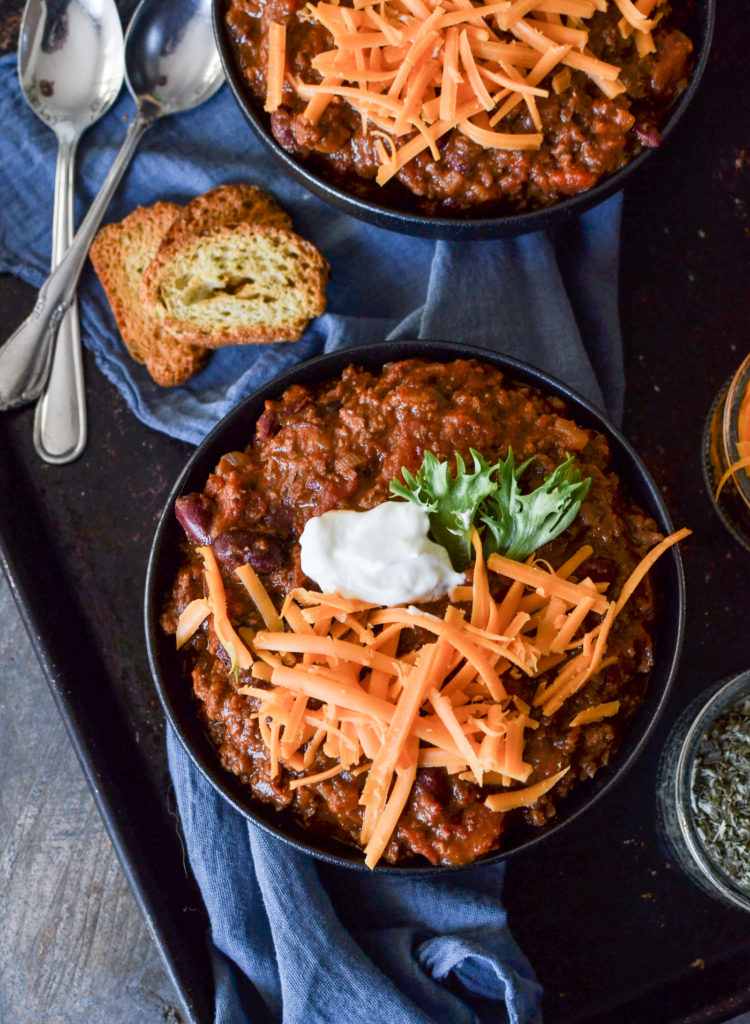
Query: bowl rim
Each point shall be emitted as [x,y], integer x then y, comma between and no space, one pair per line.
[502,225]
[668,637]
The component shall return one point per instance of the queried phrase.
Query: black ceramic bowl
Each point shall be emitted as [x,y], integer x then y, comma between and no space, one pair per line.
[235,432]
[698,25]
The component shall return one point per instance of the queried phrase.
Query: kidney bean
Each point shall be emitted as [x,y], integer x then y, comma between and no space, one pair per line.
[194,515]
[282,126]
[267,424]
[240,547]
[459,160]
[648,135]
[281,522]
[435,782]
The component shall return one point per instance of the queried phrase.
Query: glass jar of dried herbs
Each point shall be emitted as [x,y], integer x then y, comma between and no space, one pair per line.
[704,791]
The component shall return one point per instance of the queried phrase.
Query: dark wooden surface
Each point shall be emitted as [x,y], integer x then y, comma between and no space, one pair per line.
[73,944]
[607,919]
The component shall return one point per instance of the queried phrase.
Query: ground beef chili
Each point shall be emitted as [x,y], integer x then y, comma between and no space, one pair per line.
[586,135]
[339,445]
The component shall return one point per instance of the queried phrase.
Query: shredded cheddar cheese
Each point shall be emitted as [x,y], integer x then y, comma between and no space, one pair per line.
[595,713]
[326,676]
[276,63]
[190,619]
[417,69]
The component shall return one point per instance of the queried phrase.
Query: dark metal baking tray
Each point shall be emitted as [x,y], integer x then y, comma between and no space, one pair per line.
[614,930]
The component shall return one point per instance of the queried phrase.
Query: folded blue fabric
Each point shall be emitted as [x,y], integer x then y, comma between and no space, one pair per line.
[327,945]
[292,939]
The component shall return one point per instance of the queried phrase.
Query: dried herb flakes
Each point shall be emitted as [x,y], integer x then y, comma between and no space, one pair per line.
[721,792]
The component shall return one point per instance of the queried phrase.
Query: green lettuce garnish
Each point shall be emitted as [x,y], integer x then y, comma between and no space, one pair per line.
[451,501]
[511,522]
[519,523]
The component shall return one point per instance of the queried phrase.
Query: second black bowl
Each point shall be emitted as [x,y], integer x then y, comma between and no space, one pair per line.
[699,23]
[235,432]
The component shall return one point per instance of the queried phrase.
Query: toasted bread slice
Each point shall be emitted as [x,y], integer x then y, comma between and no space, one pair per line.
[237,284]
[120,254]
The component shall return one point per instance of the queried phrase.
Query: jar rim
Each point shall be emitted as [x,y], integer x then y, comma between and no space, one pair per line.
[739,388]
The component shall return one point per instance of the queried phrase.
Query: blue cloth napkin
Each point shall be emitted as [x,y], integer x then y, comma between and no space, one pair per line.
[292,939]
[327,945]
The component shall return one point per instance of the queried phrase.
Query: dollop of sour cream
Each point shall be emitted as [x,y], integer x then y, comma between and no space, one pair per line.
[383,555]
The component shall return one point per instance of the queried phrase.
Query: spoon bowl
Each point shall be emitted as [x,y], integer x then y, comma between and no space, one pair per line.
[70,61]
[171,57]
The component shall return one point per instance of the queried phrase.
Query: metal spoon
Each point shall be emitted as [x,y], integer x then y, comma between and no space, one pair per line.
[71,65]
[172,65]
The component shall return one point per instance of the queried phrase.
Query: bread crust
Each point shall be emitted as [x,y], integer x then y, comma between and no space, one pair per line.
[227,204]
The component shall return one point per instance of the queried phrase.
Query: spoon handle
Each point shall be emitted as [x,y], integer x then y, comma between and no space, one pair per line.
[25,356]
[60,415]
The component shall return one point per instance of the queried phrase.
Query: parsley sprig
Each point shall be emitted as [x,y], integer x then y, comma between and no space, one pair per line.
[511,522]
[451,501]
